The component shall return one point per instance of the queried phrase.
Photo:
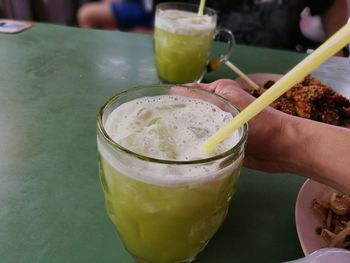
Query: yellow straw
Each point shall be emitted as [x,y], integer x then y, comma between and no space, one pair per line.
[201,8]
[340,39]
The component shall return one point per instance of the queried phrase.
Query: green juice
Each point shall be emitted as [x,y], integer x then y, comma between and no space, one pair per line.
[162,224]
[182,43]
[164,194]
[181,58]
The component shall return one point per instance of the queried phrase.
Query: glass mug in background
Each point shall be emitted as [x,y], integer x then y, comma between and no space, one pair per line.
[165,210]
[182,41]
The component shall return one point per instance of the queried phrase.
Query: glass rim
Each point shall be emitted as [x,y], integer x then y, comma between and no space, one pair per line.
[101,129]
[191,5]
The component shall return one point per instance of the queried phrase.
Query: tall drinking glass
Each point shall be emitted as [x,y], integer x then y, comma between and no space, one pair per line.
[165,210]
[182,41]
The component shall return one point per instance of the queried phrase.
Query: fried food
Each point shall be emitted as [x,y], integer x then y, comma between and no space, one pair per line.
[314,100]
[335,215]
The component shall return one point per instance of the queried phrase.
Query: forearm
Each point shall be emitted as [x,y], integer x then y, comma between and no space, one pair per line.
[334,18]
[319,151]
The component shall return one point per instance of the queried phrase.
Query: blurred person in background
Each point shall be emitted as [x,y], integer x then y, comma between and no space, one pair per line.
[266,23]
[124,15]
[276,23]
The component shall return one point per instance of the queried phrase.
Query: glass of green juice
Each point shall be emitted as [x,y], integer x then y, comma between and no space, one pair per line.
[182,41]
[165,195]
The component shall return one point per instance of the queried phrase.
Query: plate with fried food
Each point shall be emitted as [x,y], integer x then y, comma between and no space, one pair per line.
[322,217]
[310,98]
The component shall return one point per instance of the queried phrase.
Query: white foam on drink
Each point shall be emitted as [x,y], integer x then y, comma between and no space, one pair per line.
[168,127]
[184,22]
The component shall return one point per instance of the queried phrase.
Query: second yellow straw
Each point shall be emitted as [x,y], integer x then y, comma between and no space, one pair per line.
[201,8]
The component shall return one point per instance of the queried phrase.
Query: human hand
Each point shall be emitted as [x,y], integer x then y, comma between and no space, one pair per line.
[265,149]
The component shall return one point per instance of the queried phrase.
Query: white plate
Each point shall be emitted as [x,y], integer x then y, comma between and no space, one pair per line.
[326,255]
[306,220]
[258,78]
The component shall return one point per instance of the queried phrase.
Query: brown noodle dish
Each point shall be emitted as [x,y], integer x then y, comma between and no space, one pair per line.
[312,99]
[335,215]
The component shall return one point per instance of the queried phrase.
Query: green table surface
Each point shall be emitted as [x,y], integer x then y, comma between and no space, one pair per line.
[53,79]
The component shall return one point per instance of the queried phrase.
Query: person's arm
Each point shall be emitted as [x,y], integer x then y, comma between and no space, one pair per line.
[335,17]
[317,150]
[97,15]
[278,142]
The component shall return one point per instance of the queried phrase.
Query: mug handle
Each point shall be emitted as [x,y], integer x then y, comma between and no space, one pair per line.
[215,63]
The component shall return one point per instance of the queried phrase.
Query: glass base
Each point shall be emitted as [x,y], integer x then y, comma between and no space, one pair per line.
[163,81]
[141,260]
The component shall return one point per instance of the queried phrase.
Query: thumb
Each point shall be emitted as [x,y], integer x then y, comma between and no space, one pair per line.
[229,90]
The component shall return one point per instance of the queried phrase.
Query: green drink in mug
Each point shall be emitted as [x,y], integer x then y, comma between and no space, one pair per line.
[165,195]
[182,41]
